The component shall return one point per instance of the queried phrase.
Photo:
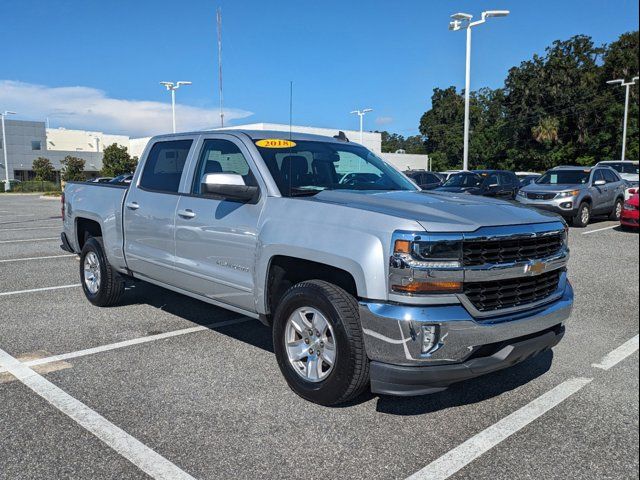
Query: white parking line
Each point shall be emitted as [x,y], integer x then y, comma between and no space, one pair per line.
[143,457]
[623,351]
[29,228]
[44,289]
[465,453]
[9,260]
[599,230]
[128,343]
[30,240]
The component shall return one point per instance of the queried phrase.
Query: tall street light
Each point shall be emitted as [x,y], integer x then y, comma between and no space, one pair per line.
[460,21]
[7,185]
[172,87]
[622,83]
[361,114]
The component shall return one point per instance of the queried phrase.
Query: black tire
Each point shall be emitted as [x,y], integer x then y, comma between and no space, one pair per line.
[350,374]
[616,213]
[111,287]
[578,220]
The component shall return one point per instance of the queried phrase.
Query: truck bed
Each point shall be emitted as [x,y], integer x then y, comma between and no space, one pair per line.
[102,203]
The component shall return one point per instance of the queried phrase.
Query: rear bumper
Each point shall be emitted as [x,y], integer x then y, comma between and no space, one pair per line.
[66,246]
[464,346]
[630,218]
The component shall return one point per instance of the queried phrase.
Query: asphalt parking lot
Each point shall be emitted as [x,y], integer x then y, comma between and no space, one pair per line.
[170,386]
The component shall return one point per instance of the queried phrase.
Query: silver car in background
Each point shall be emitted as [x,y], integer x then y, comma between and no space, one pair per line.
[577,193]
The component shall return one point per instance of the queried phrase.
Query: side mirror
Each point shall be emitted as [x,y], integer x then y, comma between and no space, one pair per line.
[599,183]
[227,185]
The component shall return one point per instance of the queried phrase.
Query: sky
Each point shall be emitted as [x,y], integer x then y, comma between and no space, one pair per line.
[97,64]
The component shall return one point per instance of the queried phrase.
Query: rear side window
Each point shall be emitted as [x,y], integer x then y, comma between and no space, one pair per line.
[610,177]
[164,166]
[431,178]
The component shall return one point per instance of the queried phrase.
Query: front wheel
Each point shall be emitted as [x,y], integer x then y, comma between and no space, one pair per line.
[583,216]
[319,343]
[102,285]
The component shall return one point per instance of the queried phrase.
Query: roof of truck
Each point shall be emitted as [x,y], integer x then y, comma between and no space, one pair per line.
[262,134]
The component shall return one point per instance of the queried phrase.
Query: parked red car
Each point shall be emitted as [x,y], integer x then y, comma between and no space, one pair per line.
[629,217]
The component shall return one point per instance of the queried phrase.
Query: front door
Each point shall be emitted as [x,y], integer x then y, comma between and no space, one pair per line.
[216,238]
[149,211]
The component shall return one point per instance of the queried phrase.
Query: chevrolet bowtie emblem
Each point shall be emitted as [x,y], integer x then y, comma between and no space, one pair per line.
[536,268]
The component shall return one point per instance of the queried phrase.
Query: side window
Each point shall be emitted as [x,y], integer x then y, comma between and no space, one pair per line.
[492,179]
[597,175]
[610,177]
[221,156]
[164,166]
[430,178]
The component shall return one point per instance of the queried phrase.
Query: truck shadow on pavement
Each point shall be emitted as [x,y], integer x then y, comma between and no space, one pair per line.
[256,334]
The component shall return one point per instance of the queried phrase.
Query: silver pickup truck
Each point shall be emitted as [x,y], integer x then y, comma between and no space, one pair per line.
[366,280]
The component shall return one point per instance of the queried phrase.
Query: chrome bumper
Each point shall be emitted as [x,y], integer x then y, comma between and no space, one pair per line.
[393,333]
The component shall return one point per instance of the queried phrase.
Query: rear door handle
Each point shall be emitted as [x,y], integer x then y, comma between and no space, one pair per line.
[132,205]
[186,213]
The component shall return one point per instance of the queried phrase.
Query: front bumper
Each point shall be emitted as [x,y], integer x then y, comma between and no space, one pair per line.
[629,218]
[567,207]
[394,343]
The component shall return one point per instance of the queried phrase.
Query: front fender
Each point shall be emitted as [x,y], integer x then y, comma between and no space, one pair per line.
[359,253]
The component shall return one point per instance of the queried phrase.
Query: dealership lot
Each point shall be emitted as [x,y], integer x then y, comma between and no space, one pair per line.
[170,386]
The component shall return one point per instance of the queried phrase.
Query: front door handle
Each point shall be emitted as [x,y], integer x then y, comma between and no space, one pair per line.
[186,213]
[133,205]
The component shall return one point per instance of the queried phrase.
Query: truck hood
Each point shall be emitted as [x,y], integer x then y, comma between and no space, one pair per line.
[438,212]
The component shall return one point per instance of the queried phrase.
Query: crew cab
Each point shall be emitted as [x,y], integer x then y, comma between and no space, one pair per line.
[366,282]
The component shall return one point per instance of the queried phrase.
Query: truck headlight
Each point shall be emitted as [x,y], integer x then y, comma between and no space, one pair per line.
[522,194]
[415,264]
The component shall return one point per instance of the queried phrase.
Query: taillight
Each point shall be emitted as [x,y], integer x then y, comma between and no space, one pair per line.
[62,206]
[632,191]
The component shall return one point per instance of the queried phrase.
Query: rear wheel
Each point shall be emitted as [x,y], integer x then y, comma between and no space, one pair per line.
[583,216]
[102,285]
[616,213]
[319,343]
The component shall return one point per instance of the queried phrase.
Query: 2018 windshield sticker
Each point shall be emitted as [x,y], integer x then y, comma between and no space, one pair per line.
[275,143]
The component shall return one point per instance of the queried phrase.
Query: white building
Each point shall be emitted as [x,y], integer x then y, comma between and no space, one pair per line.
[82,140]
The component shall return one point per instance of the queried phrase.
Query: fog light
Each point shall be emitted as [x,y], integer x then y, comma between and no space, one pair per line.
[429,337]
[567,205]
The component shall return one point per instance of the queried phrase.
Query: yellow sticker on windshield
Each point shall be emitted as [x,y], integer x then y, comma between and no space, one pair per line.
[275,143]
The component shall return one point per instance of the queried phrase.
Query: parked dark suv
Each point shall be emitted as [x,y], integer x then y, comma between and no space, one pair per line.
[425,180]
[489,183]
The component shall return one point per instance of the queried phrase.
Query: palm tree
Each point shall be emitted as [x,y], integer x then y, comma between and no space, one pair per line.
[546,131]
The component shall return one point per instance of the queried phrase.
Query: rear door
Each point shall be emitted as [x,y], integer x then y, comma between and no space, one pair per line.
[150,208]
[600,193]
[217,238]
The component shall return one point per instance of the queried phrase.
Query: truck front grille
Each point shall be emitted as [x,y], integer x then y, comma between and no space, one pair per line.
[514,292]
[508,250]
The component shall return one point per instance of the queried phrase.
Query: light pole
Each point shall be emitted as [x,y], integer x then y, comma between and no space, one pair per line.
[172,87]
[460,21]
[361,114]
[626,110]
[7,185]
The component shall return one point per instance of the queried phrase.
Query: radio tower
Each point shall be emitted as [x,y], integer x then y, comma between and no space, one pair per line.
[219,22]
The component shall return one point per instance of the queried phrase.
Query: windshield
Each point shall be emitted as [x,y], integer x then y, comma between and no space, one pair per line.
[623,167]
[467,180]
[309,167]
[565,177]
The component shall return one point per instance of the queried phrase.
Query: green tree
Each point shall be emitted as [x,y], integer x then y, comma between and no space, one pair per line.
[117,161]
[72,169]
[43,169]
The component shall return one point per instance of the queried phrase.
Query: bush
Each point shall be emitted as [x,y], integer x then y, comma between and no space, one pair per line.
[35,186]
